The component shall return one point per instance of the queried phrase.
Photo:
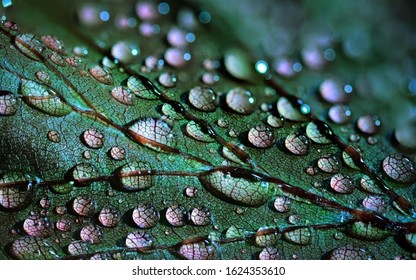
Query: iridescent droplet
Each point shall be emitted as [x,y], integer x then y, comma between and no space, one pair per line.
[315,134]
[32,248]
[328,164]
[176,57]
[375,203]
[138,240]
[124,52]
[83,206]
[282,204]
[267,236]
[194,131]
[36,225]
[299,236]
[341,183]
[155,130]
[200,216]
[29,45]
[197,250]
[238,64]
[349,252]
[399,168]
[177,215]
[270,253]
[122,95]
[145,216]
[209,78]
[167,80]
[289,112]
[241,101]
[261,136]
[146,10]
[117,153]
[176,37]
[333,92]
[369,185]
[230,155]
[369,124]
[93,138]
[134,176]
[77,248]
[203,98]
[91,234]
[348,159]
[102,75]
[191,191]
[8,103]
[63,224]
[53,43]
[82,173]
[339,114]
[297,144]
[140,89]
[109,217]
[275,122]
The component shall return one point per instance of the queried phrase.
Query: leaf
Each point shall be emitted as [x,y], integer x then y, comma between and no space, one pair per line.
[113,147]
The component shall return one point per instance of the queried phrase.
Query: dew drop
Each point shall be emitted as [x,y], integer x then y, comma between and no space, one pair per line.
[339,114]
[200,216]
[203,98]
[348,160]
[36,225]
[167,80]
[341,183]
[140,89]
[266,236]
[282,204]
[274,121]
[191,191]
[57,59]
[194,131]
[293,219]
[93,138]
[209,78]
[80,51]
[234,232]
[285,67]
[146,10]
[91,234]
[45,202]
[197,250]
[289,112]
[62,188]
[176,37]
[366,231]
[134,176]
[270,253]
[298,236]
[177,215]
[53,43]
[241,101]
[170,112]
[83,206]
[375,203]
[82,173]
[406,136]
[29,45]
[297,144]
[32,248]
[369,185]
[43,99]
[8,103]
[222,122]
[16,192]
[230,155]
[124,52]
[349,252]
[332,92]
[78,248]
[315,134]
[328,164]
[155,130]
[261,136]
[122,95]
[399,168]
[109,217]
[117,153]
[237,63]
[145,216]
[63,224]
[73,61]
[43,77]
[369,124]
[138,240]
[176,57]
[89,15]
[102,75]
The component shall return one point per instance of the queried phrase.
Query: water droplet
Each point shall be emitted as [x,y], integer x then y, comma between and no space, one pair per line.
[16,192]
[10,25]
[209,78]
[62,188]
[261,136]
[89,15]
[176,37]
[406,135]
[43,99]
[399,168]
[371,140]
[87,155]
[238,64]
[285,67]
[36,225]
[167,80]
[313,57]
[83,206]
[32,248]
[78,248]
[73,61]
[367,231]
[194,131]
[299,236]
[238,189]
[369,124]
[146,11]
[155,130]
[234,232]
[262,67]
[124,52]
[177,215]
[57,59]
[134,176]
[332,92]
[221,122]
[29,45]
[369,185]
[270,253]
[109,217]
[241,101]
[170,112]
[266,236]
[197,250]
[282,204]
[176,57]
[8,103]
[411,240]
[45,202]
[122,95]
[80,51]
[43,77]
[328,164]
[191,191]
[230,155]
[297,144]
[63,224]
[53,43]
[82,173]
[349,252]
[315,134]
[289,112]
[275,122]
[339,114]
[293,219]
[93,138]
[341,183]
[117,153]
[137,86]
[145,216]
[203,98]
[354,137]
[108,63]
[138,240]
[91,234]
[201,216]
[102,75]
[348,160]
[375,203]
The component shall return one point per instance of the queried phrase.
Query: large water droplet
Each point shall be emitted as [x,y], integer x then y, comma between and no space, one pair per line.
[197,250]
[43,99]
[399,168]
[53,43]
[102,75]
[328,164]
[369,185]
[134,177]
[16,192]
[289,112]
[282,204]
[83,206]
[366,231]
[29,45]
[315,134]
[109,217]
[194,131]
[333,92]
[8,103]
[261,136]
[349,252]
[145,216]
[297,144]
[177,215]
[341,183]
[32,248]
[156,130]
[241,101]
[270,253]
[405,135]
[203,98]
[36,225]
[122,95]
[339,114]
[200,216]
[349,160]
[375,203]
[82,173]
[299,236]
[138,240]
[91,234]
[267,236]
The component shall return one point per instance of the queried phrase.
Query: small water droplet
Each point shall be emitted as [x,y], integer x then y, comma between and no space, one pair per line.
[341,183]
[77,248]
[81,173]
[285,67]
[371,140]
[8,103]
[332,92]
[369,124]
[261,136]
[16,192]
[328,164]
[399,168]
[83,206]
[282,204]
[297,144]
[266,236]
[138,240]
[145,216]
[122,95]
[299,236]
[315,134]
[349,252]
[348,160]
[43,77]
[134,176]
[109,217]
[45,202]
[73,61]
[197,250]
[53,43]
[57,59]
[136,85]
[293,219]
[241,101]
[354,137]
[194,131]
[167,79]
[177,215]
[209,78]
[63,224]
[222,122]
[289,112]
[275,122]
[191,191]
[270,253]
[117,153]
[93,138]
[125,52]
[102,75]
[375,203]
[36,225]
[203,98]
[369,185]
[80,51]
[29,45]
[92,234]
[340,114]
[32,248]
[155,130]
[200,216]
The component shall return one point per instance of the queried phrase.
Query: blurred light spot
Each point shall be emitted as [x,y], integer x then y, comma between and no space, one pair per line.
[412,86]
[190,37]
[204,17]
[163,8]
[348,88]
[6,3]
[305,109]
[135,52]
[104,16]
[297,67]
[262,67]
[329,54]
[187,56]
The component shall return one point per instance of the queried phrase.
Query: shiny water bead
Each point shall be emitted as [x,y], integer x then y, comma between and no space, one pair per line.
[241,101]
[286,67]
[177,215]
[261,136]
[57,59]
[194,131]
[138,240]
[191,191]
[29,45]
[274,121]
[16,192]
[43,99]
[82,173]
[93,138]
[197,250]
[146,10]
[80,51]
[63,224]
[125,52]
[238,64]
[282,204]
[167,79]
[367,231]
[91,234]
[156,130]
[134,176]
[297,144]
[53,43]
[8,103]
[77,248]
[87,155]
[405,135]
[117,153]
[235,232]
[267,236]
[332,91]
[375,203]
[32,248]
[299,236]
[399,168]
[411,240]
[289,112]
[109,217]
[170,112]
[89,15]
[73,61]
[270,253]
[341,183]
[316,135]
[83,206]
[369,124]
[123,95]
[369,185]
[176,57]
[209,78]
[145,216]
[203,98]
[349,252]
[43,77]
[62,188]
[230,155]
[45,202]
[237,189]
[293,219]
[340,114]
[349,161]
[36,225]
[102,75]
[200,216]
[328,164]
[176,37]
